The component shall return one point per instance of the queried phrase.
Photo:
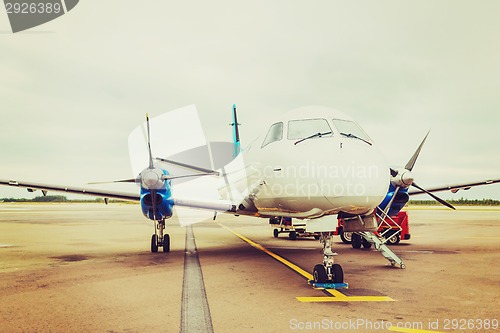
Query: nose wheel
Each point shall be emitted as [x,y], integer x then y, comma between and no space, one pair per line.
[154,243]
[158,239]
[325,274]
[328,271]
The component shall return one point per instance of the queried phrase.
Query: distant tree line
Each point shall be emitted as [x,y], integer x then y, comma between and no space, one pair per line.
[458,202]
[62,198]
[56,198]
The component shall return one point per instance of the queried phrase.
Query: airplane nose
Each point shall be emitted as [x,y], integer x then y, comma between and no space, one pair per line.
[360,180]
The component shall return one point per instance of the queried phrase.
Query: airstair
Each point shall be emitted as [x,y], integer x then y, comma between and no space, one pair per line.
[380,246]
[379,240]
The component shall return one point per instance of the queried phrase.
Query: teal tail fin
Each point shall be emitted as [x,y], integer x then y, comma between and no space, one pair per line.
[236,133]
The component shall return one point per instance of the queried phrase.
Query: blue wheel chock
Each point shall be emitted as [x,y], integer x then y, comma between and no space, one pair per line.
[328,285]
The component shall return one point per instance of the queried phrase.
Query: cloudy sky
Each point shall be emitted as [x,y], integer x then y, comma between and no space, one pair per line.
[73,89]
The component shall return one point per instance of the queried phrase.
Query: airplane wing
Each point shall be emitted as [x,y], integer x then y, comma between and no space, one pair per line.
[455,187]
[217,205]
[76,190]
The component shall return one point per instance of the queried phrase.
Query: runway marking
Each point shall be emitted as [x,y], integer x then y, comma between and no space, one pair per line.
[344,298]
[335,295]
[410,330]
[195,312]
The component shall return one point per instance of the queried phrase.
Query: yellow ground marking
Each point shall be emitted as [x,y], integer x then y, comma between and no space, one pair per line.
[285,262]
[344,298]
[337,295]
[410,330]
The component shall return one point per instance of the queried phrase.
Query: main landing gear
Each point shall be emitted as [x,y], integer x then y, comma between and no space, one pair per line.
[328,272]
[158,239]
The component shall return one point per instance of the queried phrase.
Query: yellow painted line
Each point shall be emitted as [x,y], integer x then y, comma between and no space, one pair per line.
[285,262]
[410,330]
[337,295]
[344,298]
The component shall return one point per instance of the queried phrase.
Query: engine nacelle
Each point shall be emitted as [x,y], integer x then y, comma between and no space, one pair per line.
[399,201]
[157,205]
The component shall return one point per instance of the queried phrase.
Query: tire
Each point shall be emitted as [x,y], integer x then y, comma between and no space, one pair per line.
[154,243]
[346,237]
[316,237]
[166,243]
[394,239]
[276,233]
[338,273]
[319,274]
[366,244]
[356,241]
[292,235]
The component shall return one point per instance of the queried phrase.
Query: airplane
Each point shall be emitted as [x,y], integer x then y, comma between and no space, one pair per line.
[313,163]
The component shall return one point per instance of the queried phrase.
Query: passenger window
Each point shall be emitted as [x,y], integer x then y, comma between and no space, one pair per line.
[275,134]
[300,129]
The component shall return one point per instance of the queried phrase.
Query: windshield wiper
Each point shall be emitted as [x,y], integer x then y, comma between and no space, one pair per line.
[350,135]
[312,136]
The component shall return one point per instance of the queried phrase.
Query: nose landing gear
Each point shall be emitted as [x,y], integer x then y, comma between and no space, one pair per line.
[158,239]
[328,271]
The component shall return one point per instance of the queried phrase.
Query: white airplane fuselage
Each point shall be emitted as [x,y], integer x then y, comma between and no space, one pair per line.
[318,176]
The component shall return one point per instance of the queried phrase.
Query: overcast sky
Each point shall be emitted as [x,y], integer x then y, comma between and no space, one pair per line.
[73,89]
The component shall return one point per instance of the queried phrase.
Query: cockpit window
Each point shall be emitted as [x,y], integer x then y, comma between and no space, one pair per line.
[275,133]
[350,129]
[300,129]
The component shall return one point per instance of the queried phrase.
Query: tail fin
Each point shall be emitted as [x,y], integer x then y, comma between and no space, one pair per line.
[236,133]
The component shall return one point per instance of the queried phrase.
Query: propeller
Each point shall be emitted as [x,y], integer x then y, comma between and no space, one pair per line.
[153,178]
[438,199]
[403,178]
[149,144]
[150,178]
[145,175]
[132,180]
[411,163]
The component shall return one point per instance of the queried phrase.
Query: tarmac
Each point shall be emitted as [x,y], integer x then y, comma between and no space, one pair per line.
[88,268]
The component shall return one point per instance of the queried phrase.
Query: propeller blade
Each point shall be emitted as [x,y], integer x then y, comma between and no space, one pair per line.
[149,143]
[394,173]
[188,166]
[170,177]
[411,163]
[441,201]
[132,180]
